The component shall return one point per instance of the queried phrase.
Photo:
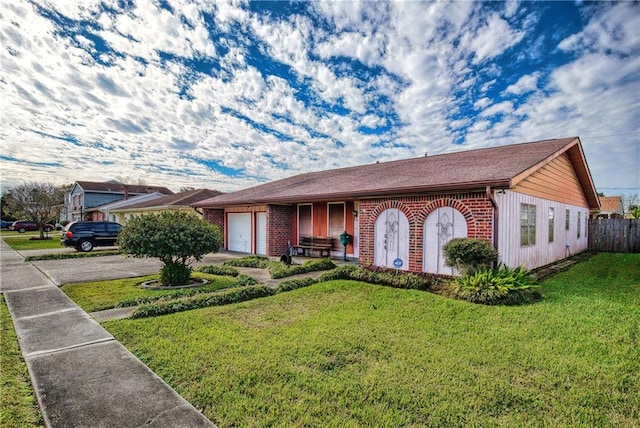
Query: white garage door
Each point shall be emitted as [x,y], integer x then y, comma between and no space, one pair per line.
[239,232]
[261,233]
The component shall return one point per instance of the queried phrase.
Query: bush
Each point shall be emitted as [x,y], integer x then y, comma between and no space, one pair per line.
[499,286]
[218,270]
[259,262]
[174,237]
[294,284]
[217,299]
[61,256]
[468,255]
[281,270]
[391,278]
[244,280]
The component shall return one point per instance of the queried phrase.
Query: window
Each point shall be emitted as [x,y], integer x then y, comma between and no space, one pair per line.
[305,222]
[551,224]
[578,224]
[336,219]
[527,224]
[567,219]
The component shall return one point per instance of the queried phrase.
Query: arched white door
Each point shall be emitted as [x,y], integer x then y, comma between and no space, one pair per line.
[392,239]
[440,227]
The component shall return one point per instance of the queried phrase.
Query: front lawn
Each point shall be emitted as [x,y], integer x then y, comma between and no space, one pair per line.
[347,353]
[97,296]
[21,243]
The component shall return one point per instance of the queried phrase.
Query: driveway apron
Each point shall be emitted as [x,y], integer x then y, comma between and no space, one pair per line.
[82,376]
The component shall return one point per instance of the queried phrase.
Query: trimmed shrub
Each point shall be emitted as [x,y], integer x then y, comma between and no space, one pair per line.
[391,278]
[468,255]
[294,284]
[217,299]
[259,262]
[71,255]
[174,237]
[244,280]
[281,270]
[218,270]
[499,286]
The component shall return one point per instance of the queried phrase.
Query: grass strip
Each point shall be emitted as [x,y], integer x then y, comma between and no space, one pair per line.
[20,243]
[18,405]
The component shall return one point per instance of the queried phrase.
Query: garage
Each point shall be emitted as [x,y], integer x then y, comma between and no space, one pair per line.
[261,233]
[239,232]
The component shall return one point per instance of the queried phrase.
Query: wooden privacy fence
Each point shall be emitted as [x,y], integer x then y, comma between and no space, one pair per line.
[616,235]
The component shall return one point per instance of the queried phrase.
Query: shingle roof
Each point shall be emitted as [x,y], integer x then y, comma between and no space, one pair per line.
[472,169]
[611,204]
[114,187]
[179,199]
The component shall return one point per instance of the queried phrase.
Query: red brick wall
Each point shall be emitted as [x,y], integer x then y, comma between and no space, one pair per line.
[474,206]
[280,228]
[215,216]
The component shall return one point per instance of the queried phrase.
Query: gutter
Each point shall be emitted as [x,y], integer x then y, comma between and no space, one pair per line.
[495,216]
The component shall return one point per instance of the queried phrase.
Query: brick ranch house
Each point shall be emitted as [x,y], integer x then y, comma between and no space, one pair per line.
[530,200]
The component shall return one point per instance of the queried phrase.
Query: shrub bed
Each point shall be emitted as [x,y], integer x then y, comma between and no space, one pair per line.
[218,270]
[389,278]
[294,284]
[217,299]
[260,262]
[278,269]
[281,270]
[71,255]
[499,286]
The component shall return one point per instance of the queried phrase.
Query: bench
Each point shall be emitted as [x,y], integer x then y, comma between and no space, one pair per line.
[321,244]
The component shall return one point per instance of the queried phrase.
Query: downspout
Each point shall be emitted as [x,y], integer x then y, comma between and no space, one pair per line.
[495,216]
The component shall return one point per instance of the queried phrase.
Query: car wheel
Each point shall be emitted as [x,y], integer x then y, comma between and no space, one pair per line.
[22,230]
[85,246]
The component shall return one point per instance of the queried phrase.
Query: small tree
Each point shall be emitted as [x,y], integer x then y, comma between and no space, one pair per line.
[37,202]
[176,238]
[468,255]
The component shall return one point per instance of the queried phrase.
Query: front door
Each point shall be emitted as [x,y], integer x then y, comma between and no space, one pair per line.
[440,227]
[392,239]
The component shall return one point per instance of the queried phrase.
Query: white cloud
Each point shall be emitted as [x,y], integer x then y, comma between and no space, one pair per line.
[524,84]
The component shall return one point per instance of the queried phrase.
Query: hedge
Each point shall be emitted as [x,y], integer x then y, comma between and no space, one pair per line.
[218,299]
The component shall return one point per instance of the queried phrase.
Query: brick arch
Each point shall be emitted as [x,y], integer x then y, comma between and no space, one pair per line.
[375,212]
[466,212]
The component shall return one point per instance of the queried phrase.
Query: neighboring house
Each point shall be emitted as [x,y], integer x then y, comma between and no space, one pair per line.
[106,210]
[86,196]
[177,202]
[610,207]
[530,200]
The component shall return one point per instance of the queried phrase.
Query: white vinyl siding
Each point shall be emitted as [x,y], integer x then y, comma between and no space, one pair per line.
[513,254]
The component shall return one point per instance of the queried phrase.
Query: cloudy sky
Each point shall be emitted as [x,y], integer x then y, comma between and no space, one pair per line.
[226,95]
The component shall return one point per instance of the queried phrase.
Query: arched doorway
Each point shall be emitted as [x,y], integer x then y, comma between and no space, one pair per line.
[392,239]
[440,227]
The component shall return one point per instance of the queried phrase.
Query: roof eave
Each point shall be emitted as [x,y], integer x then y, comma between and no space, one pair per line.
[353,195]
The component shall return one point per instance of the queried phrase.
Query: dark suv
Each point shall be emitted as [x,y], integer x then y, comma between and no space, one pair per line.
[84,235]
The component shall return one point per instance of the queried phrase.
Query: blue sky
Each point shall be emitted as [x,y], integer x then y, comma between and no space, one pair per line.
[229,94]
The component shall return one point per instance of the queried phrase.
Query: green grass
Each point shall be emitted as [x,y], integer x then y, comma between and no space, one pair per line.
[22,243]
[97,296]
[347,353]
[18,408]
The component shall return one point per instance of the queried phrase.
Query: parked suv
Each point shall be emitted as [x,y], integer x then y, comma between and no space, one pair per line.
[84,235]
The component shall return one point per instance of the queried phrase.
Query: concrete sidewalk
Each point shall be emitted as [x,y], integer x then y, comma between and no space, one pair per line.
[81,375]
